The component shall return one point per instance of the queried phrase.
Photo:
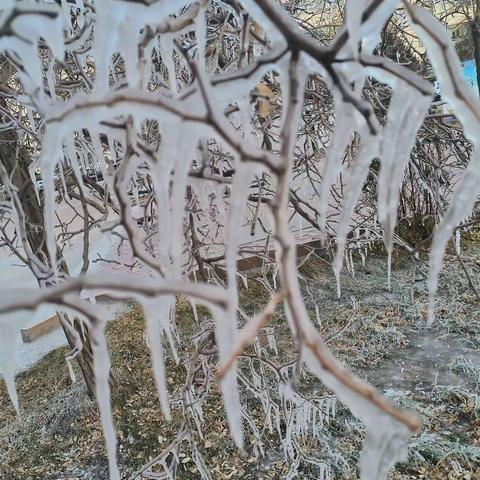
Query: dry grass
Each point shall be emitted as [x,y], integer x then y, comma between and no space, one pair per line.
[59,437]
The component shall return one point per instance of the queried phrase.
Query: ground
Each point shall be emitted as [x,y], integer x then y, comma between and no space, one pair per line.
[379,333]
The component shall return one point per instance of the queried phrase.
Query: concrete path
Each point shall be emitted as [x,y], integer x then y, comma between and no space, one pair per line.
[27,354]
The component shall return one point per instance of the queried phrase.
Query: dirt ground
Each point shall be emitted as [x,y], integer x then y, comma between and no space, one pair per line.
[380,334]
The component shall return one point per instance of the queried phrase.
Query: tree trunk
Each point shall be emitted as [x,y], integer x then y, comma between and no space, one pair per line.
[16,162]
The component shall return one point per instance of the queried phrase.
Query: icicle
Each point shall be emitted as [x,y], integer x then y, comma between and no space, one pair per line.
[47,162]
[31,171]
[354,303]
[167,328]
[353,20]
[317,314]
[241,184]
[98,155]
[356,178]
[193,304]
[456,91]
[113,153]
[382,449]
[389,269]
[50,76]
[102,387]
[67,15]
[338,282]
[10,325]
[333,405]
[71,372]
[107,30]
[406,113]
[270,331]
[362,256]
[225,336]
[129,48]
[257,379]
[244,279]
[275,276]
[341,137]
[201,34]
[185,149]
[146,74]
[155,309]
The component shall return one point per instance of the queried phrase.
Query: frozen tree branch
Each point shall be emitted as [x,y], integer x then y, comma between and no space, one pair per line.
[176,127]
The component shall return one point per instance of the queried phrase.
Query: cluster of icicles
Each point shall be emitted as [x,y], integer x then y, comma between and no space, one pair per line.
[116,27]
[290,416]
